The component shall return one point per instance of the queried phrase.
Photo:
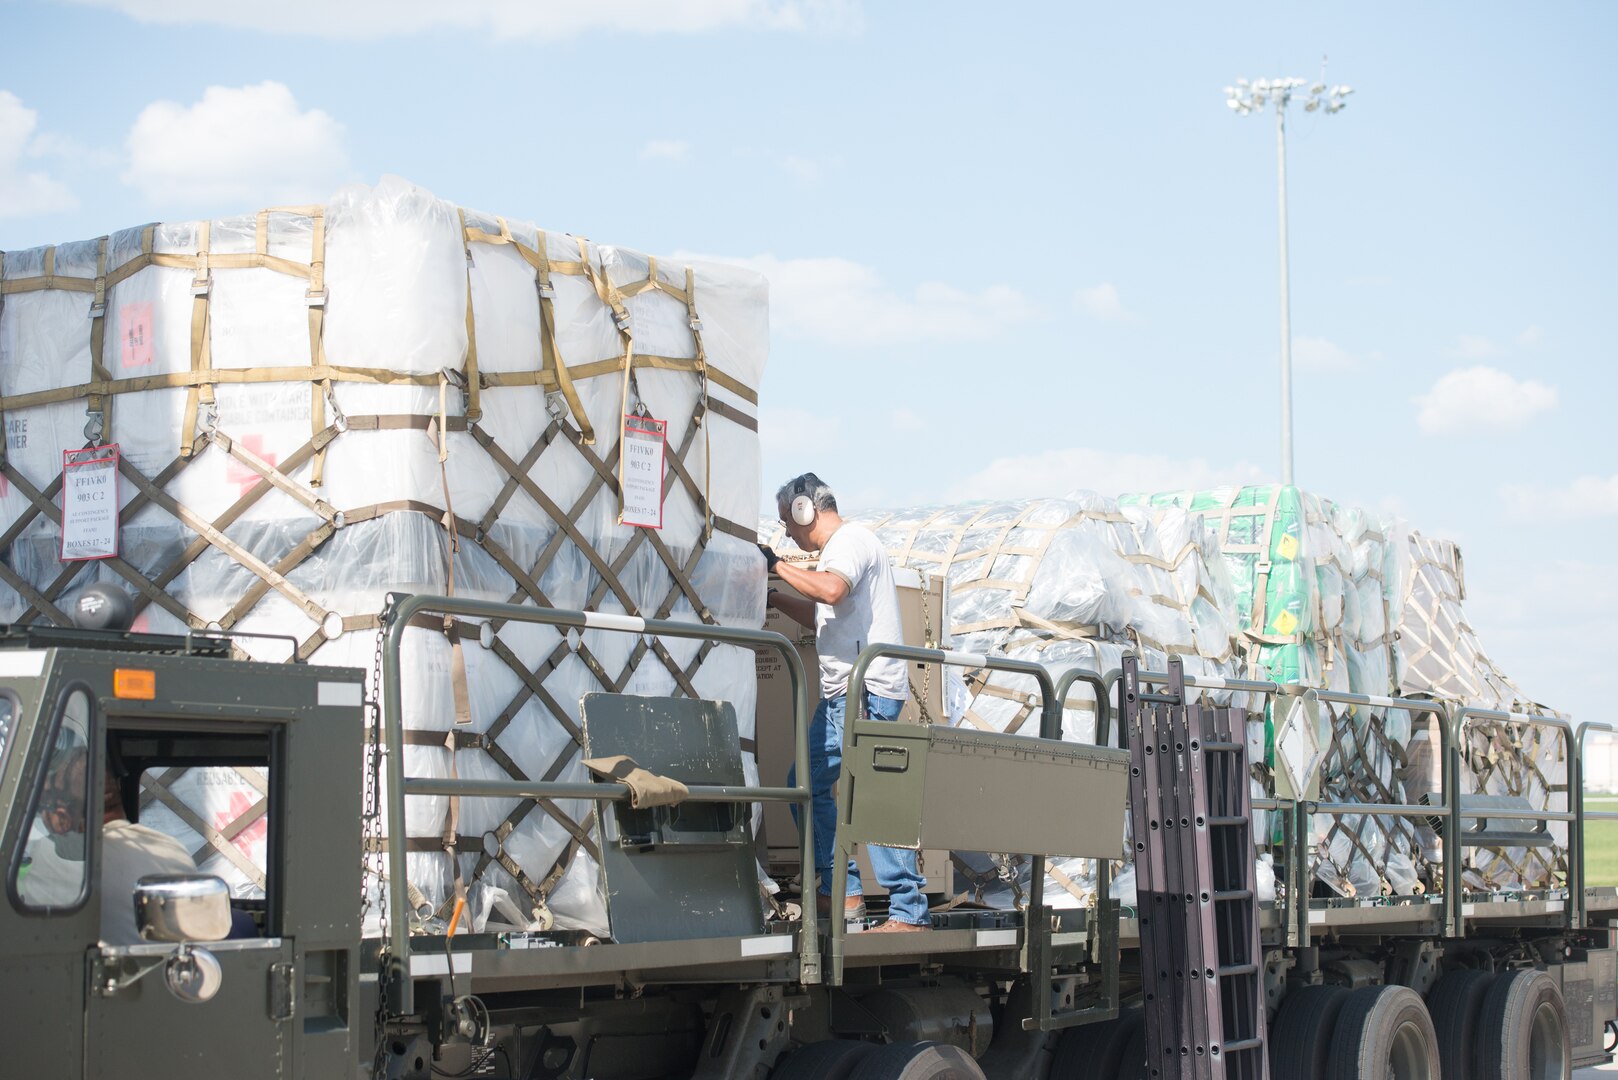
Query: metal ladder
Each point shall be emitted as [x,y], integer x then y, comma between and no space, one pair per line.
[1201,961]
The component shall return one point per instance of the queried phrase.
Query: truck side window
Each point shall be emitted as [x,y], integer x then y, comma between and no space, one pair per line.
[8,713]
[219,814]
[53,871]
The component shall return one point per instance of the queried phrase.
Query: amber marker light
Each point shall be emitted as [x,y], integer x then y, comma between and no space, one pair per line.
[134,683]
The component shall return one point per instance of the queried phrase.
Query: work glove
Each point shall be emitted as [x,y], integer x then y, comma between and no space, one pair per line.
[770,557]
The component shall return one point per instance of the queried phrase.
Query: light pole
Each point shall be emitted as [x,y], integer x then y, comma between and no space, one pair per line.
[1244,98]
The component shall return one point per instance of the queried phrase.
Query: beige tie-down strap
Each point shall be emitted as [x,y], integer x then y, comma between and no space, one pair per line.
[646,788]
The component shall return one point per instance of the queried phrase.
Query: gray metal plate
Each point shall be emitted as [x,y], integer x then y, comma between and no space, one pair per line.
[702,880]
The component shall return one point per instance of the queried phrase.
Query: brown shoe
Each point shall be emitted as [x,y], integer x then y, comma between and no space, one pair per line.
[853,906]
[894,926]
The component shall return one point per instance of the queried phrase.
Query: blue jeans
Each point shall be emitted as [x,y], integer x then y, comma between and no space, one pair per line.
[895,867]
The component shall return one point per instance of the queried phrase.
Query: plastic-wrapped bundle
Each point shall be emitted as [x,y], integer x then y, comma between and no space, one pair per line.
[1075,568]
[1438,654]
[1271,545]
[318,405]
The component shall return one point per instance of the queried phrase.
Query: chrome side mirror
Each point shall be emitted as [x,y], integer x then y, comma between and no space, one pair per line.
[193,975]
[182,907]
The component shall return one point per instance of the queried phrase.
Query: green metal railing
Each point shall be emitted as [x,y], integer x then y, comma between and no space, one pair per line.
[1050,721]
[1037,948]
[1103,943]
[1296,814]
[400,613]
[1454,888]
[1453,718]
[1577,898]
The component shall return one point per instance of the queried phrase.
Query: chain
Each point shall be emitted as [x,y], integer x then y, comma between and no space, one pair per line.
[371,838]
[930,640]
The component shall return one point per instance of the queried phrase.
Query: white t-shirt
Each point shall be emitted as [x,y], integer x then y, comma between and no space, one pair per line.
[870,612]
[128,853]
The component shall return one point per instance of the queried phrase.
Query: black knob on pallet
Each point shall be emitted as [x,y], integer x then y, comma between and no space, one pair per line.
[103,607]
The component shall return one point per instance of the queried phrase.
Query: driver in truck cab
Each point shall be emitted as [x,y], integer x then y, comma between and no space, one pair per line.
[850,600]
[129,851]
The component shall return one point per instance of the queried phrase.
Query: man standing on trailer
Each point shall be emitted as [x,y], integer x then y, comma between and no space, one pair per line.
[850,600]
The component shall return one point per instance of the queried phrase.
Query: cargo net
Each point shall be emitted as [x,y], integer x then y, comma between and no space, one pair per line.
[1439,655]
[316,406]
[1261,582]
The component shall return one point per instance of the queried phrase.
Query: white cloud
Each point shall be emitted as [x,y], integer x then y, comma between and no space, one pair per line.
[907,420]
[665,150]
[788,431]
[22,191]
[537,19]
[807,170]
[1531,337]
[1585,497]
[1318,354]
[847,303]
[251,144]
[50,144]
[1103,302]
[1482,399]
[1511,609]
[1110,472]
[1475,347]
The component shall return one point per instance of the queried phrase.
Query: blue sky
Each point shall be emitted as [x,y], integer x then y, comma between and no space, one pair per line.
[1014,249]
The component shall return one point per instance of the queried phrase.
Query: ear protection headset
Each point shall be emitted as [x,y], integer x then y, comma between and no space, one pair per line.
[803,507]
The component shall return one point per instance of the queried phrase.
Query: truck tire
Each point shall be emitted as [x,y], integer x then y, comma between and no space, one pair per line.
[1096,1049]
[1384,1033]
[1300,1038]
[918,1061]
[1522,1032]
[1455,1004]
[1132,1065]
[832,1059]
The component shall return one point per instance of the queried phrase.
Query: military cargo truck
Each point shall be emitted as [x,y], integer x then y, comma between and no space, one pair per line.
[337,972]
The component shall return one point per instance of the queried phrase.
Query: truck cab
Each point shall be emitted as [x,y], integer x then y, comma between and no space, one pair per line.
[84,715]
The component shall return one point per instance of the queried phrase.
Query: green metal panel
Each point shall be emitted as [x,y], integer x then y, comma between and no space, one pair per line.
[885,768]
[42,981]
[946,787]
[991,792]
[142,1030]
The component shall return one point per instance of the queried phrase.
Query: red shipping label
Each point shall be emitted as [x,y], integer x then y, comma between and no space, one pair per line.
[135,331]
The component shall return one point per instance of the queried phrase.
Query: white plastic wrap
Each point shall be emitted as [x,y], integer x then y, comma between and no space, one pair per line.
[407,291]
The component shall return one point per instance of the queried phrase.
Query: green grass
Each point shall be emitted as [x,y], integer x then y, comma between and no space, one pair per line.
[1601,846]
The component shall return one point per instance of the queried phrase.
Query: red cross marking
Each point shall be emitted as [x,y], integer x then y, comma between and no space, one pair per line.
[253,834]
[239,474]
